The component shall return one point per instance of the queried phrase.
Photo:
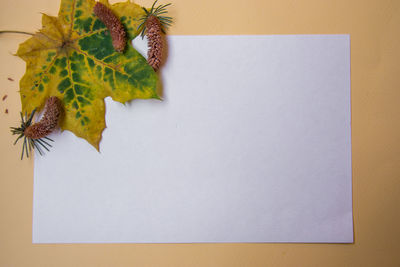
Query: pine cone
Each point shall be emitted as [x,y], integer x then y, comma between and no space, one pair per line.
[113,24]
[49,121]
[155,43]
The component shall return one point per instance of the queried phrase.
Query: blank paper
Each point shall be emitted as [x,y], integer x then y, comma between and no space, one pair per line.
[251,143]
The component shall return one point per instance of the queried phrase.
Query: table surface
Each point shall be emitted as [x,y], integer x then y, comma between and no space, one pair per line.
[375,73]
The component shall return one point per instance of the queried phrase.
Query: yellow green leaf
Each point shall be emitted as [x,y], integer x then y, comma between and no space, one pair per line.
[72,57]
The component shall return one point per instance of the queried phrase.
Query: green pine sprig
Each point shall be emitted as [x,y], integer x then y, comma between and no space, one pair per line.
[158,13]
[29,143]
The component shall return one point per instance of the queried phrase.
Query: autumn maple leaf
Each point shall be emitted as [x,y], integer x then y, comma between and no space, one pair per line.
[72,58]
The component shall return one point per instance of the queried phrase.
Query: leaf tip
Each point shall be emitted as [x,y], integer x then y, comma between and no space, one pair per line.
[98,148]
[158,97]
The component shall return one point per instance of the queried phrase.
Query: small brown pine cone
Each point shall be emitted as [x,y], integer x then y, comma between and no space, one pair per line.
[113,24]
[49,121]
[155,43]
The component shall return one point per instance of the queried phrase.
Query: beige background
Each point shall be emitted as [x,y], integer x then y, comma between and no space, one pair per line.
[374,26]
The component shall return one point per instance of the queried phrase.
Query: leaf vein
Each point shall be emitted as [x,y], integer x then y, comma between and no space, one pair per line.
[99,62]
[70,71]
[48,67]
[86,35]
[44,35]
[72,19]
[38,49]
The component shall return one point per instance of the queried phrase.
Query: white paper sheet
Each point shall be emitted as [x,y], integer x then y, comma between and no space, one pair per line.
[252,143]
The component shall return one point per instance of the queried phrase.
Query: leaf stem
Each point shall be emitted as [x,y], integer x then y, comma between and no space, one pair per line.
[20,32]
